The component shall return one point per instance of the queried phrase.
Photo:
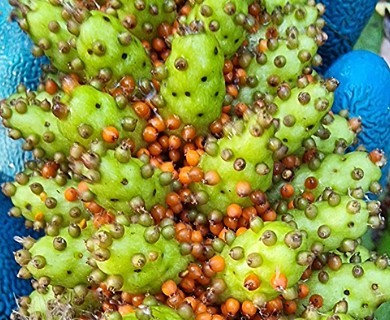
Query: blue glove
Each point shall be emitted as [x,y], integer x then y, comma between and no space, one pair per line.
[16,66]
[345,20]
[365,91]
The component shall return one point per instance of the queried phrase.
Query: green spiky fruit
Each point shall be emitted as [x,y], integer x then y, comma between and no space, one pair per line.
[97,50]
[348,284]
[274,254]
[243,155]
[86,114]
[155,312]
[42,200]
[126,184]
[281,50]
[271,5]
[194,88]
[300,113]
[333,222]
[135,258]
[334,135]
[59,260]
[225,20]
[43,138]
[64,304]
[52,32]
[142,18]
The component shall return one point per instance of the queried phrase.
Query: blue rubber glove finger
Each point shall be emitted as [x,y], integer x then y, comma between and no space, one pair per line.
[345,20]
[364,90]
[17,65]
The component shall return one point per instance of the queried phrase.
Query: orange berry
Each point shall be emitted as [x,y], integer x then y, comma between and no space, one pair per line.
[252,282]
[234,210]
[279,281]
[303,290]
[248,308]
[217,263]
[110,134]
[287,190]
[192,157]
[232,306]
[169,288]
[71,194]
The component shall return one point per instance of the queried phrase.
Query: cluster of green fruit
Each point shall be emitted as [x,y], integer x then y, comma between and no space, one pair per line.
[187,166]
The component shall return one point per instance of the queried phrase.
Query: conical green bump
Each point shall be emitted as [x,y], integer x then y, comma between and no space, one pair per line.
[120,182]
[43,200]
[331,221]
[300,114]
[315,315]
[141,262]
[363,286]
[242,155]
[195,87]
[62,258]
[142,18]
[334,137]
[161,312]
[49,31]
[89,112]
[269,254]
[66,305]
[225,20]
[103,50]
[21,110]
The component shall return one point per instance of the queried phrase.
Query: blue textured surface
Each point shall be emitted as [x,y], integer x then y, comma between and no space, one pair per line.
[16,66]
[365,91]
[345,20]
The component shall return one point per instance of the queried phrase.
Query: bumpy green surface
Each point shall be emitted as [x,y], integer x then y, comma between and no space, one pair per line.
[248,141]
[270,5]
[143,266]
[66,267]
[148,14]
[130,59]
[278,257]
[67,305]
[44,134]
[157,312]
[60,52]
[340,137]
[363,294]
[347,220]
[120,182]
[221,19]
[38,207]
[305,114]
[97,110]
[195,87]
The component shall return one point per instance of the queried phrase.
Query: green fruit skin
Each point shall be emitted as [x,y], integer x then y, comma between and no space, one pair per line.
[130,59]
[98,110]
[67,267]
[163,261]
[275,258]
[245,145]
[44,122]
[307,116]
[195,93]
[161,312]
[146,20]
[229,34]
[270,5]
[121,182]
[370,290]
[32,205]
[342,223]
